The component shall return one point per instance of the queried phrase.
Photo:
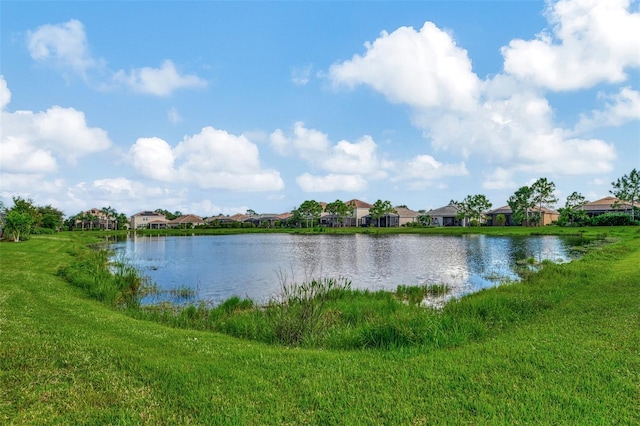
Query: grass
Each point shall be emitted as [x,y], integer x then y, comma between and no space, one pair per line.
[560,348]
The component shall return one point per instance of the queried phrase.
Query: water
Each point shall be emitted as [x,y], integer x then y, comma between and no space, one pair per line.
[250,265]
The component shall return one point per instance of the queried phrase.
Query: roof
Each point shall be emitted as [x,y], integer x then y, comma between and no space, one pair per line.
[187,218]
[507,210]
[149,213]
[606,203]
[501,210]
[449,210]
[405,212]
[359,204]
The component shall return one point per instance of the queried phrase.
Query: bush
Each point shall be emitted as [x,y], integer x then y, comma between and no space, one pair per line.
[612,219]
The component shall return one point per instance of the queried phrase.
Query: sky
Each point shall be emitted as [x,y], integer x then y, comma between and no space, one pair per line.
[211,107]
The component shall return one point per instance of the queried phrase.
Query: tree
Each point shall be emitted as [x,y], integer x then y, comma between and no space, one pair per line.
[340,210]
[109,212]
[424,219]
[251,212]
[473,207]
[381,208]
[542,195]
[521,203]
[572,211]
[501,219]
[51,218]
[121,220]
[627,188]
[310,210]
[22,205]
[18,224]
[168,214]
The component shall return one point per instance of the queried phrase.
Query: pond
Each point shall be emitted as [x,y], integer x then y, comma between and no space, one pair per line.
[252,265]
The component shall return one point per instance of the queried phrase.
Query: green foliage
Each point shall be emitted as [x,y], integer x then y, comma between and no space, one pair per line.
[501,219]
[572,214]
[116,283]
[612,219]
[473,208]
[340,210]
[310,211]
[540,194]
[298,313]
[18,224]
[379,209]
[627,188]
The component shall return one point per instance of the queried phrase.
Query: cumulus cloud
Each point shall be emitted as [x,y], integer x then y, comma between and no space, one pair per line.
[422,68]
[210,159]
[65,46]
[350,165]
[619,109]
[590,41]
[359,160]
[505,119]
[158,81]
[424,170]
[32,142]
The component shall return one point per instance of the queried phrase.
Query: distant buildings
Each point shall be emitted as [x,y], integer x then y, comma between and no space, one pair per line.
[443,216]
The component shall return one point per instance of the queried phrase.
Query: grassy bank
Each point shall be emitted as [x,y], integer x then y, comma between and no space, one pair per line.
[66,358]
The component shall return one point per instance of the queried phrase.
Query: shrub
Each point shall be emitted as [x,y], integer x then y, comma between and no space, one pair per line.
[612,219]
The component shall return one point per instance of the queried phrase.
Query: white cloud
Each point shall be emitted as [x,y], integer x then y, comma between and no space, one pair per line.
[158,81]
[63,45]
[424,170]
[420,68]
[590,41]
[518,133]
[624,107]
[210,159]
[32,142]
[331,183]
[5,93]
[499,178]
[344,157]
[504,120]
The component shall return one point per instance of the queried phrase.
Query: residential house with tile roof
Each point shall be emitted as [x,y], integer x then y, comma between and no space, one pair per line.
[148,220]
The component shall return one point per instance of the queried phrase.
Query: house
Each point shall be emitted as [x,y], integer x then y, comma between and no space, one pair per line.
[606,205]
[148,220]
[95,219]
[406,215]
[186,221]
[547,216]
[445,216]
[492,216]
[360,210]
[265,220]
[387,221]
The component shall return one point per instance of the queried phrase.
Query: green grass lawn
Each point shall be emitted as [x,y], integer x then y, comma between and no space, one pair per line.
[67,359]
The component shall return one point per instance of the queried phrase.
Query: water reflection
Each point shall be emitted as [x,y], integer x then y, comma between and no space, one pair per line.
[218,267]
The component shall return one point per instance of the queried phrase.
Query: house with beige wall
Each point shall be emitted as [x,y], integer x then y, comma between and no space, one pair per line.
[148,220]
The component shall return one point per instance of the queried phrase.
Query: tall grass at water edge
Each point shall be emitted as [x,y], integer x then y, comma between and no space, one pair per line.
[327,313]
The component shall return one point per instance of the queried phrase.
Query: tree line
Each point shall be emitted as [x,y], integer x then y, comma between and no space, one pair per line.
[24,218]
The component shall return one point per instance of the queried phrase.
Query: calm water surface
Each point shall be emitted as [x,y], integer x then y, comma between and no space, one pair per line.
[249,265]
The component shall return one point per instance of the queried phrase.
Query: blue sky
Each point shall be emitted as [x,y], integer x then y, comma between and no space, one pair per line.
[218,107]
